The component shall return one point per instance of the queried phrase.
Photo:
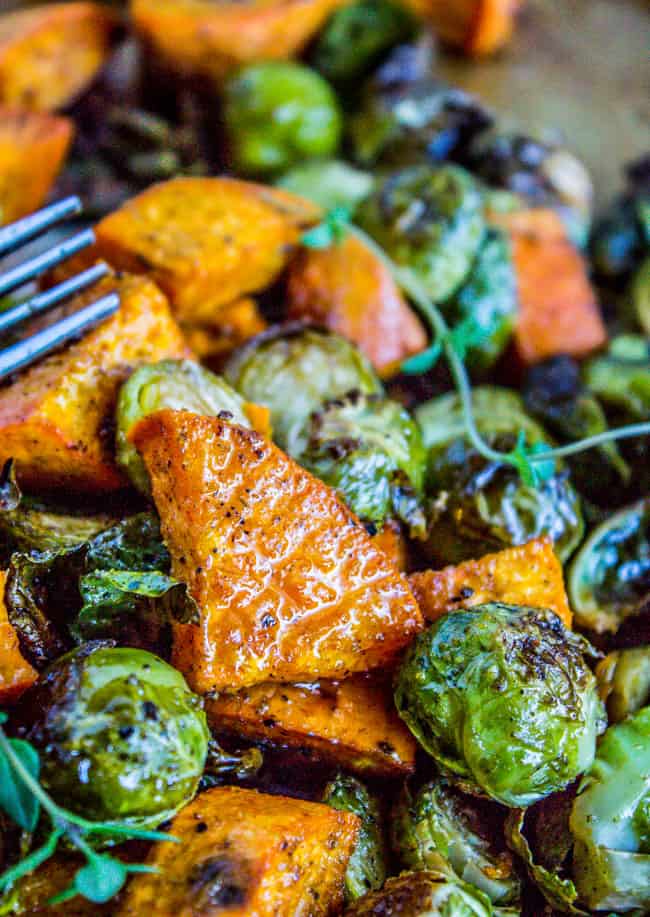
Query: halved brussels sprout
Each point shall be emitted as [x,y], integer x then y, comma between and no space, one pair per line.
[610,821]
[293,370]
[367,867]
[423,894]
[176,384]
[370,450]
[430,221]
[329,183]
[621,376]
[501,696]
[478,506]
[443,829]
[611,572]
[120,735]
[624,681]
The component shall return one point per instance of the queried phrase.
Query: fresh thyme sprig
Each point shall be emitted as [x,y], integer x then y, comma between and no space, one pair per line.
[23,798]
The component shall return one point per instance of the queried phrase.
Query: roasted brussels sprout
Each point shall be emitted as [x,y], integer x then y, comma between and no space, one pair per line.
[624,681]
[293,370]
[501,696]
[620,378]
[367,867]
[422,894]
[370,450]
[329,183]
[176,384]
[441,828]
[611,572]
[120,735]
[277,114]
[430,221]
[640,294]
[479,506]
[610,821]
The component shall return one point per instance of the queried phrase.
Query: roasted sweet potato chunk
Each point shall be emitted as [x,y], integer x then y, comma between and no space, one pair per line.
[477,27]
[528,574]
[210,39]
[53,418]
[16,674]
[33,148]
[51,53]
[352,723]
[206,241]
[289,585]
[245,853]
[392,542]
[558,311]
[347,289]
[236,323]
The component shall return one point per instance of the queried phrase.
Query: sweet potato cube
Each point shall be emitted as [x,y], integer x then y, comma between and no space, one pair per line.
[33,148]
[529,574]
[392,541]
[16,674]
[247,854]
[205,241]
[477,27]
[235,324]
[352,723]
[49,54]
[53,418]
[289,585]
[348,289]
[211,39]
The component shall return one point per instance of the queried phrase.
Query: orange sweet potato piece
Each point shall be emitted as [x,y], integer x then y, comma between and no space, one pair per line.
[49,54]
[211,38]
[347,289]
[289,585]
[236,323]
[33,148]
[351,723]
[256,856]
[16,674]
[206,241]
[53,417]
[528,574]
[558,311]
[477,27]
[392,542]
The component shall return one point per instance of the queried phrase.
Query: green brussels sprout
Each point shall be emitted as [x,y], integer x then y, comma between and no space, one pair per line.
[370,450]
[367,867]
[430,221]
[624,681]
[277,114]
[329,183]
[422,894]
[501,696]
[175,384]
[641,296]
[357,36]
[487,301]
[293,370]
[610,821]
[611,571]
[621,376]
[441,828]
[479,506]
[120,735]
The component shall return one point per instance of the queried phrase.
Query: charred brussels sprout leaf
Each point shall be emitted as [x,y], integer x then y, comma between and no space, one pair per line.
[442,828]
[277,114]
[367,867]
[134,543]
[120,735]
[330,183]
[620,378]
[610,821]
[501,696]
[294,370]
[370,450]
[624,681]
[611,572]
[430,222]
[423,894]
[478,506]
[175,384]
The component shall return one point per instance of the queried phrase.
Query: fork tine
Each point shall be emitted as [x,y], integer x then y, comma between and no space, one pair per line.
[30,226]
[44,301]
[43,342]
[23,273]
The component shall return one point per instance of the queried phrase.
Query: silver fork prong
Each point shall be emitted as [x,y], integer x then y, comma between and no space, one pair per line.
[43,342]
[44,301]
[33,225]
[23,273]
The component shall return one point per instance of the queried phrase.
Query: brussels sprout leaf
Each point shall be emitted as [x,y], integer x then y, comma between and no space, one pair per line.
[15,798]
[331,231]
[10,495]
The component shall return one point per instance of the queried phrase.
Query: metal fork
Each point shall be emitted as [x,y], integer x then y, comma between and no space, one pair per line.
[31,348]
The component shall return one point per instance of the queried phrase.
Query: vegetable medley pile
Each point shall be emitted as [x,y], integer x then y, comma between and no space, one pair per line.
[284,543]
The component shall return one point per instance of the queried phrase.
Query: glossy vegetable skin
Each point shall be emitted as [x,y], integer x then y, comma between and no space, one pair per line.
[422,894]
[240,861]
[624,681]
[289,585]
[16,674]
[501,696]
